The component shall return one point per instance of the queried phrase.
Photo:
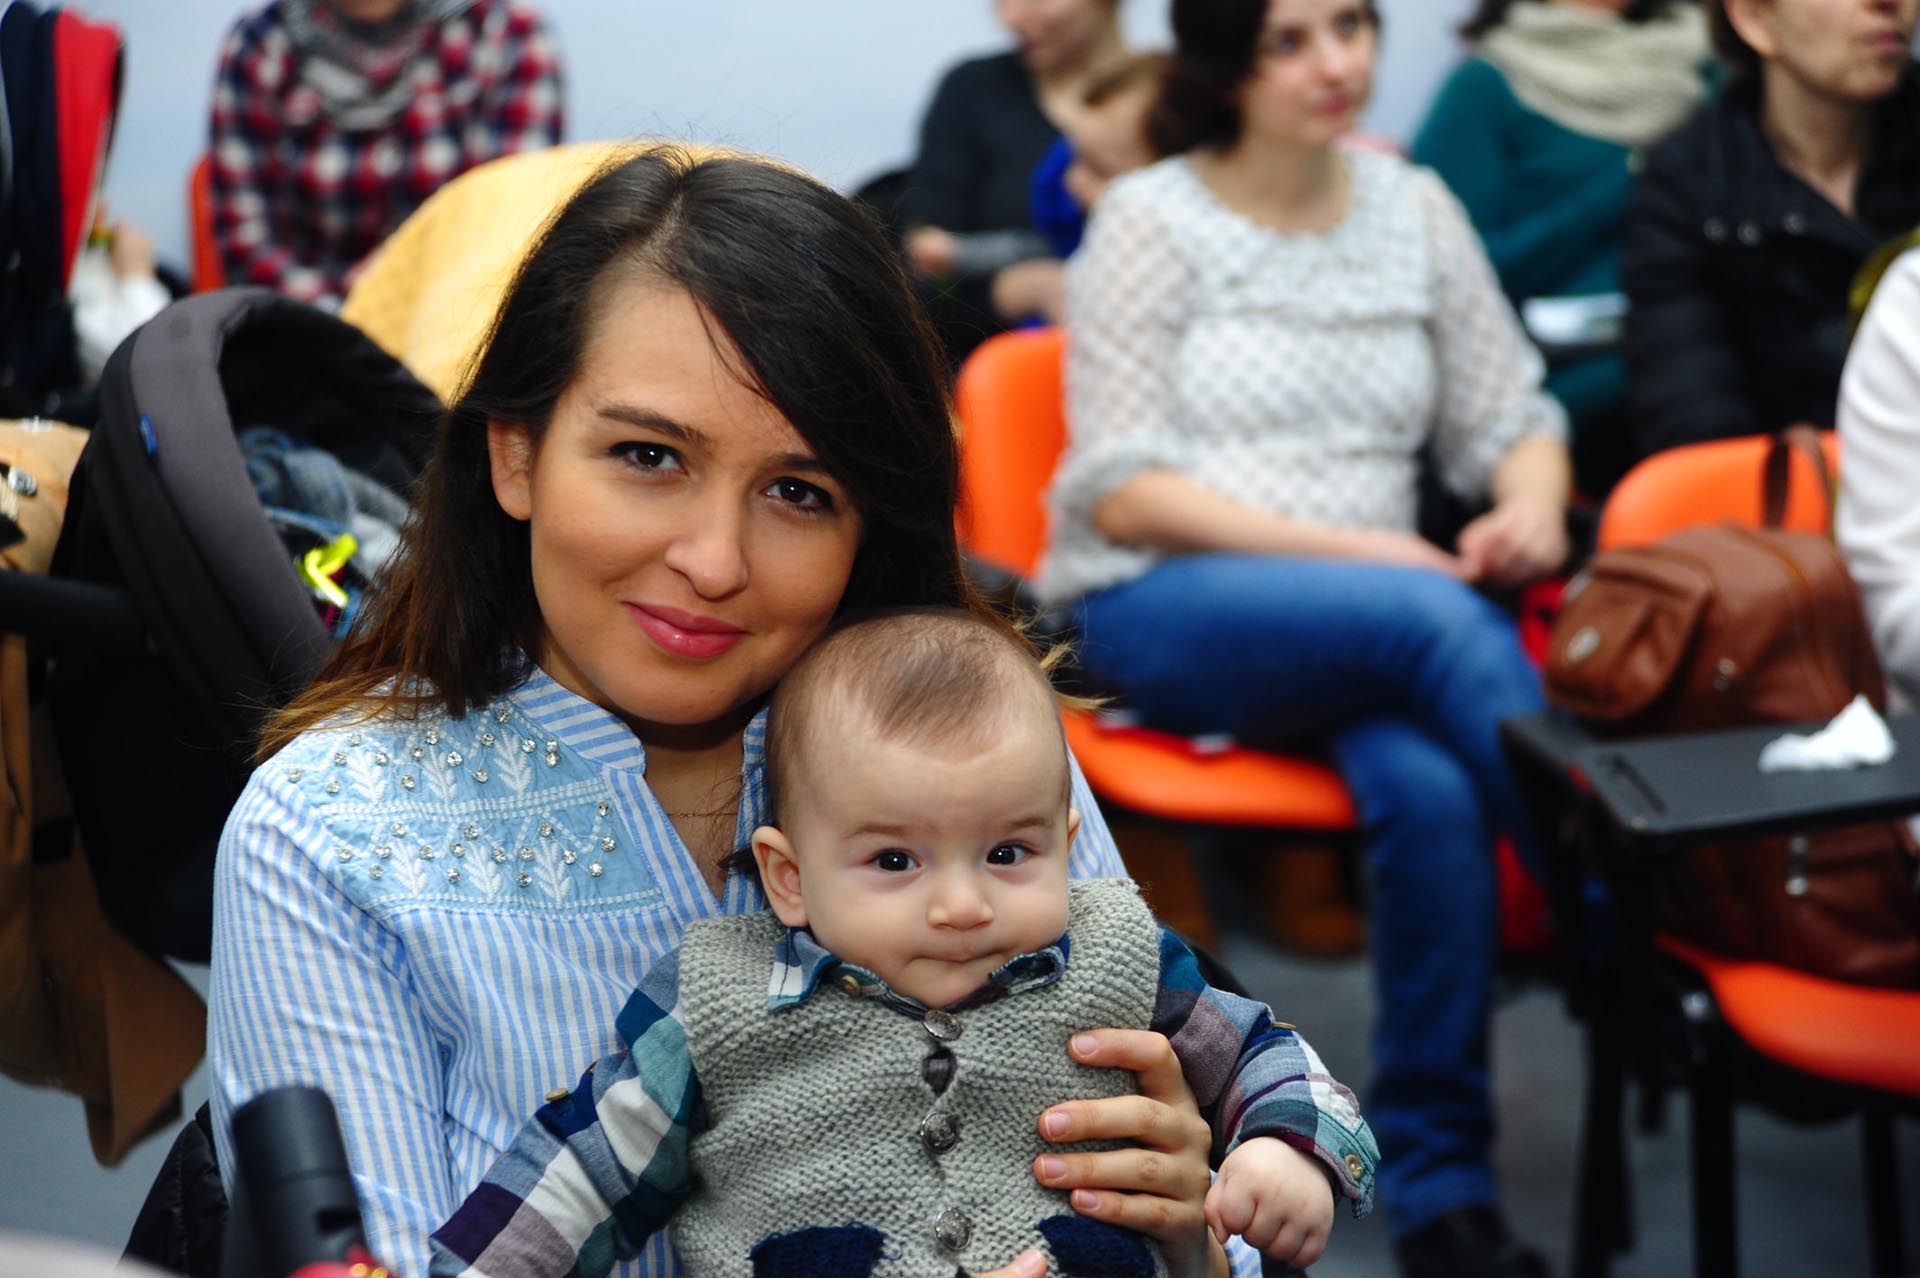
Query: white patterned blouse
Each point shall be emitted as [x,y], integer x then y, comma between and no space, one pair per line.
[438,921]
[1300,373]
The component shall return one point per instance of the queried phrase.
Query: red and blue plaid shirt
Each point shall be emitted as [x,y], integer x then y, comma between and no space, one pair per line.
[300,197]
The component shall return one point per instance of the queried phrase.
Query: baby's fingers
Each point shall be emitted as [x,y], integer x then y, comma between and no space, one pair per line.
[1230,1206]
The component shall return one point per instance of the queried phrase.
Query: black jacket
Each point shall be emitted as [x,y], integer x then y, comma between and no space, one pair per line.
[1737,272]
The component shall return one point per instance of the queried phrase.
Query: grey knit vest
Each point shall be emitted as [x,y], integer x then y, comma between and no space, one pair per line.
[822,1115]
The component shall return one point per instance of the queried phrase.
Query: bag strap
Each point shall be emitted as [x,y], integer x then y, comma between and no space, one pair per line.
[1777,480]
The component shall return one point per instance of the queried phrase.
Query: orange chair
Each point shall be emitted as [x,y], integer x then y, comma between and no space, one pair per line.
[1009,396]
[1755,1031]
[208,273]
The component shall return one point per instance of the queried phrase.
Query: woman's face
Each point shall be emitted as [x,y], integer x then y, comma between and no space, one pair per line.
[687,545]
[1056,35]
[1312,73]
[1855,50]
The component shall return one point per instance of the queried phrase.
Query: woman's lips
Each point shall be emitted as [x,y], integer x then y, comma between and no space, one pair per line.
[683,633]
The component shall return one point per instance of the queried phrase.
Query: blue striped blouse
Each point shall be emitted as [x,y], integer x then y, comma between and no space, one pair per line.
[438,920]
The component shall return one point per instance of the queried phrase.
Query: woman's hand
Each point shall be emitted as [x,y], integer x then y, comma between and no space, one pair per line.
[1028,1264]
[1159,1187]
[1410,550]
[1520,540]
[1034,288]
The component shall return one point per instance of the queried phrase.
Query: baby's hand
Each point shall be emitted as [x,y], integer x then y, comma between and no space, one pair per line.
[1276,1198]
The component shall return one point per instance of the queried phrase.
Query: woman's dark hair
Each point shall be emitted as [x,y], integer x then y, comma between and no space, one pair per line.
[804,286]
[1734,51]
[1216,43]
[1492,13]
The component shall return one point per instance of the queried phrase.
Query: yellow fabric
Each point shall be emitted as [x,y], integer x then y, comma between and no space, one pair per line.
[429,294]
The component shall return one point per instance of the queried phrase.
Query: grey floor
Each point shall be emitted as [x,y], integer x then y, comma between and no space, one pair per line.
[1800,1203]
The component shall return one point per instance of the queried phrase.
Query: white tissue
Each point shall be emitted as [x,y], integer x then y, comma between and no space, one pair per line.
[1857,735]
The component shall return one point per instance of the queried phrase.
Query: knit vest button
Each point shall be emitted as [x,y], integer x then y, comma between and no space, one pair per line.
[939,1131]
[952,1229]
[942,1024]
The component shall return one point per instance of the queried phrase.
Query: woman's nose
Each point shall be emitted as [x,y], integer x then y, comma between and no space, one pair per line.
[710,552]
[1333,58]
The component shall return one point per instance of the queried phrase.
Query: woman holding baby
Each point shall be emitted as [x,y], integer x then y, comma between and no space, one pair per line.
[707,420]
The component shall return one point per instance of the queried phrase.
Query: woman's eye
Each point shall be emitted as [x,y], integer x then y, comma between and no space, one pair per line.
[1281,43]
[1008,854]
[800,494]
[894,861]
[648,456]
[1347,24]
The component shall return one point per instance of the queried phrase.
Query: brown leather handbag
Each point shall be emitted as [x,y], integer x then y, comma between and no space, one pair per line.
[1726,626]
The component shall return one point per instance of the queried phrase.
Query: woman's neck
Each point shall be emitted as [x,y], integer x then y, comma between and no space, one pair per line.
[1286,188]
[695,774]
[1821,138]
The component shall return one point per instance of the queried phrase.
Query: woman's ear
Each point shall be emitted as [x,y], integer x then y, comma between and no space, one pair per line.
[1749,21]
[510,454]
[779,875]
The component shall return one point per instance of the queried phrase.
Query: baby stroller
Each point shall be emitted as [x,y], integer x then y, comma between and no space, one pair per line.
[175,611]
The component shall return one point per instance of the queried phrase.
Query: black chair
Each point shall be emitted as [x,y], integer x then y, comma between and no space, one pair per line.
[1664,1014]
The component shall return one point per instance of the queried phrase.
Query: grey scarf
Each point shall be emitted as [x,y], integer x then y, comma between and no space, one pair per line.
[1593,73]
[358,68]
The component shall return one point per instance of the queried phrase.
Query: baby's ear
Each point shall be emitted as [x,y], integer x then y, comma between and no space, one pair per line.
[1073,824]
[779,875]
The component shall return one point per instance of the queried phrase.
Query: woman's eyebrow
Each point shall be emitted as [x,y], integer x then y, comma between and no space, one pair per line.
[648,419]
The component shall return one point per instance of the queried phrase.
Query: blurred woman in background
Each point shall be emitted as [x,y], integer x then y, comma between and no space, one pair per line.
[1752,220]
[1268,330]
[1538,132]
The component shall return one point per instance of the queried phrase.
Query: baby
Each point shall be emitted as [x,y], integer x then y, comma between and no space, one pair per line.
[849,1085]
[1102,136]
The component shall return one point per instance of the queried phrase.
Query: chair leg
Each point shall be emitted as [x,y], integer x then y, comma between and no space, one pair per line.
[1716,1241]
[1886,1240]
[1602,1224]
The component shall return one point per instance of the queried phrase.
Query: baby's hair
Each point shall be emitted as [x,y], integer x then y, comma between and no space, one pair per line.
[1139,70]
[916,676]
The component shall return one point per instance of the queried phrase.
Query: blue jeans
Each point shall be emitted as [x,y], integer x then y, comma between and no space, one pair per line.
[1405,675]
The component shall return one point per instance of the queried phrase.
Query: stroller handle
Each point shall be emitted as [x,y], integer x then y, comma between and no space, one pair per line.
[48,610]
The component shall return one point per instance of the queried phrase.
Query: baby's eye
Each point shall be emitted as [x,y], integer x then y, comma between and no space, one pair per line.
[894,861]
[1008,854]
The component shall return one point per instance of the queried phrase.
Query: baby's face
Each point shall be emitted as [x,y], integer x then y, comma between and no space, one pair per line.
[932,866]
[1108,140]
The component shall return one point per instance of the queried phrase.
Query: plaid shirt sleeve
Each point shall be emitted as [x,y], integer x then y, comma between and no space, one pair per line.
[1254,1076]
[596,1172]
[526,108]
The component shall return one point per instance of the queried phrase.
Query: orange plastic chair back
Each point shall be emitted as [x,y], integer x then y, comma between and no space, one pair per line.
[1010,396]
[208,274]
[1710,483]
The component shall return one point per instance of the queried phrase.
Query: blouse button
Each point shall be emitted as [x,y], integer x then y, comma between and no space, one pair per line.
[1715,229]
[1749,234]
[942,1024]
